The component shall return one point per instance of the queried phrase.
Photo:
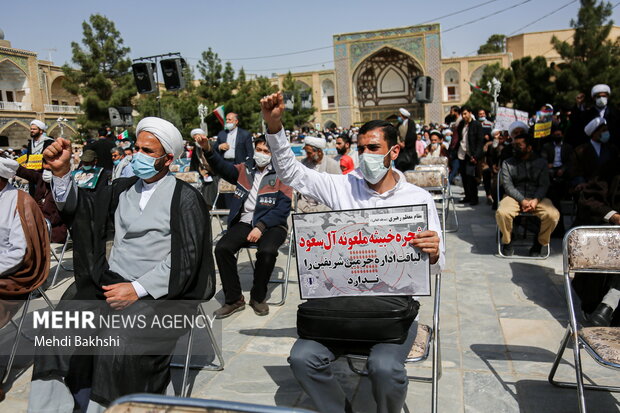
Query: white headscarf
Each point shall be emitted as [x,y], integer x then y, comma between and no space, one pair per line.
[593,125]
[197,131]
[166,132]
[39,124]
[8,168]
[315,142]
[516,125]
[600,89]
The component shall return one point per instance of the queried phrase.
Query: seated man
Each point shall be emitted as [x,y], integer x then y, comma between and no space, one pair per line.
[41,181]
[525,179]
[599,204]
[258,214]
[374,184]
[24,245]
[161,250]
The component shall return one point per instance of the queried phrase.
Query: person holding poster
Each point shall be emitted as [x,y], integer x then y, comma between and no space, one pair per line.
[375,184]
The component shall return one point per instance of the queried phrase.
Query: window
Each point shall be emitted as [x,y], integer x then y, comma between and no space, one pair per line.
[55,102]
[9,96]
[64,103]
[1,98]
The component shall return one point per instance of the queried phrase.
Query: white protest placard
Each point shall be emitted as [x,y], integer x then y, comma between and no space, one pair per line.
[505,116]
[361,252]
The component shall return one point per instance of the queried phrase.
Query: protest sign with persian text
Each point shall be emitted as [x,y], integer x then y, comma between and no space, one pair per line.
[361,252]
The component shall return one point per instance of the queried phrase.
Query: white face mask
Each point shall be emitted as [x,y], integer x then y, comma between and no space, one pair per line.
[261,159]
[229,126]
[601,102]
[372,166]
[47,176]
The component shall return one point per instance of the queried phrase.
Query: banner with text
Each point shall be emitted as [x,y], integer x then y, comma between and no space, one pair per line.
[361,252]
[505,116]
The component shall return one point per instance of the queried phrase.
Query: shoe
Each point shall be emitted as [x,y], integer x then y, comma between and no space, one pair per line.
[601,317]
[259,308]
[1,394]
[465,201]
[229,309]
[507,250]
[536,249]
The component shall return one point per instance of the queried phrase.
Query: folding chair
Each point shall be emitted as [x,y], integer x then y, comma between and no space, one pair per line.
[589,249]
[223,187]
[432,181]
[449,197]
[59,260]
[426,338]
[525,215]
[283,281]
[141,402]
[19,328]
[188,354]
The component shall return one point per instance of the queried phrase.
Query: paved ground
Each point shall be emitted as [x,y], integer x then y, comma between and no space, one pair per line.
[501,322]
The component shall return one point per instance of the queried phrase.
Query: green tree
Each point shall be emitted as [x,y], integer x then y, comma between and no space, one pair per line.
[295,118]
[102,75]
[527,85]
[496,43]
[591,57]
[246,100]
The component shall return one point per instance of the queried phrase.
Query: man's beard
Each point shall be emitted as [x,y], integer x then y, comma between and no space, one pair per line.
[35,135]
[342,151]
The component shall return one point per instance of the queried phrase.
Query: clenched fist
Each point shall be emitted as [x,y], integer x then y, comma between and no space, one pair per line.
[203,142]
[57,155]
[272,107]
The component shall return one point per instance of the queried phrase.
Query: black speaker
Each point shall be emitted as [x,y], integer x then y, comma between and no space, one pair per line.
[144,76]
[173,73]
[424,89]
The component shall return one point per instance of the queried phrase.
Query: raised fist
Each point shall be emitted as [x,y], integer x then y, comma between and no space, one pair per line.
[272,107]
[57,155]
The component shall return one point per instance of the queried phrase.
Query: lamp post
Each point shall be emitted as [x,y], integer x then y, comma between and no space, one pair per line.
[494,86]
[203,111]
[60,121]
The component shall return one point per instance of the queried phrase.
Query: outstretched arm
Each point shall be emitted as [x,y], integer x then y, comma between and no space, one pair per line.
[320,186]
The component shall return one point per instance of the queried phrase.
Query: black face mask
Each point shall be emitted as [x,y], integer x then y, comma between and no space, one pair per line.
[518,151]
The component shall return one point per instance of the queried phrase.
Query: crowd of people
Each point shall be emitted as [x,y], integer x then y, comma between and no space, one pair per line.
[122,191]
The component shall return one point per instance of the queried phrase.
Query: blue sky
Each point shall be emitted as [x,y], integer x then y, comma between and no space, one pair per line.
[244,28]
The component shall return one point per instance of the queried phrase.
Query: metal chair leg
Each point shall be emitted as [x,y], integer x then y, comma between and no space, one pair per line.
[188,355]
[16,342]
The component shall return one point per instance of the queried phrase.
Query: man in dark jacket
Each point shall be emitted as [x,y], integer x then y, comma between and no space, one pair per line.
[258,213]
[234,143]
[525,179]
[469,152]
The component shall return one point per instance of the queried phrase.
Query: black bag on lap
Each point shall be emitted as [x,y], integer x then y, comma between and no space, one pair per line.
[380,319]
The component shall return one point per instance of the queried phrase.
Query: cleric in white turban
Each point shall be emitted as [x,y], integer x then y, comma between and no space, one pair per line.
[161,250]
[517,128]
[315,156]
[39,140]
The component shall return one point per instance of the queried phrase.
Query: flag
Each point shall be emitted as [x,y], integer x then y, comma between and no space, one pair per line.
[220,114]
[124,135]
[478,88]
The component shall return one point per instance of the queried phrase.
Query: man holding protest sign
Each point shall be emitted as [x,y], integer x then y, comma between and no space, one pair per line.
[375,184]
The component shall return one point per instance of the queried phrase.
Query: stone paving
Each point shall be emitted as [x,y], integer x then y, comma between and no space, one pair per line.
[501,323]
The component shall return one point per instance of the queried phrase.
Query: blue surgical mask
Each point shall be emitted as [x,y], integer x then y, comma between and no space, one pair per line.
[604,137]
[87,167]
[116,162]
[372,166]
[144,166]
